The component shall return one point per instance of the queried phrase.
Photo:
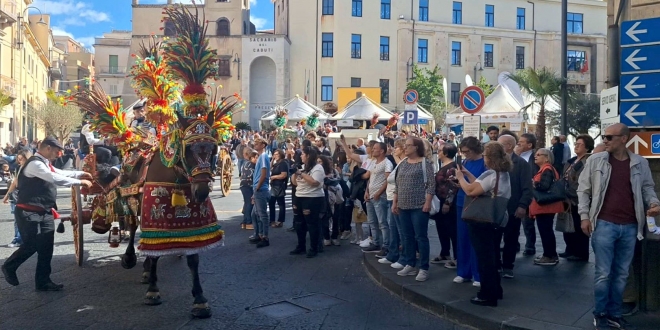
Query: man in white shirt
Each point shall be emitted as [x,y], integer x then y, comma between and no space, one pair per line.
[376,201]
[35,210]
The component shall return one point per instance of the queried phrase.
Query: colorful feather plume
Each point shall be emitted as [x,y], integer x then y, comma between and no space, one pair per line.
[281,116]
[312,121]
[190,58]
[151,78]
[222,115]
[393,120]
[108,118]
[374,119]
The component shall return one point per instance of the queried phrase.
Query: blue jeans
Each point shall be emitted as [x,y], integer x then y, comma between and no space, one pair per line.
[395,235]
[246,191]
[10,158]
[377,220]
[260,212]
[614,247]
[17,234]
[414,229]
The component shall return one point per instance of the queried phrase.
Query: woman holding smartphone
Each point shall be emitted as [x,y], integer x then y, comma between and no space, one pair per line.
[309,195]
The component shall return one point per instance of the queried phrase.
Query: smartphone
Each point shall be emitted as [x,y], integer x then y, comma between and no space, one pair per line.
[459,161]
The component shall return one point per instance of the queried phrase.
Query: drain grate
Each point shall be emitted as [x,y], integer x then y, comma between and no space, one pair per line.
[316,301]
[281,310]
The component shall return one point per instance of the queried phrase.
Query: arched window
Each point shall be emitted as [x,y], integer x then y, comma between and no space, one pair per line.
[169,28]
[222,28]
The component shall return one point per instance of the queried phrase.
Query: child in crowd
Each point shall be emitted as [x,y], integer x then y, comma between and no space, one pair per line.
[247,171]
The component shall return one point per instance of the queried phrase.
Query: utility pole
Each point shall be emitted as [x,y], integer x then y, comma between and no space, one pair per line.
[564,67]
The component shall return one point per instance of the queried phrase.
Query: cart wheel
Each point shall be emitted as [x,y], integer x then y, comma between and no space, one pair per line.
[76,222]
[226,175]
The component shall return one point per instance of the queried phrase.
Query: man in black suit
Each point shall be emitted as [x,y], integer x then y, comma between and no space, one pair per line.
[527,144]
[521,197]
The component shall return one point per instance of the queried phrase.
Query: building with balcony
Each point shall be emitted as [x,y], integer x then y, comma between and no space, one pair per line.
[256,65]
[359,43]
[112,56]
[77,66]
[25,43]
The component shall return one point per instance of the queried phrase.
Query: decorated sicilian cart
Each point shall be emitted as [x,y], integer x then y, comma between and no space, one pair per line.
[164,186]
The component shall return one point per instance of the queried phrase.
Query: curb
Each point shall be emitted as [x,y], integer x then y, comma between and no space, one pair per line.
[452,308]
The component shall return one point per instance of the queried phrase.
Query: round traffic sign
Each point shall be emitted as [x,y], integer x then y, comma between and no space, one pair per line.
[472,99]
[410,96]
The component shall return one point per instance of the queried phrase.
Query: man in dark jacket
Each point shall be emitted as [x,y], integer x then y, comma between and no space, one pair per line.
[521,197]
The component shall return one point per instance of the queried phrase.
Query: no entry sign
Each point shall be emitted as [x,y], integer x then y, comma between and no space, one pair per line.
[472,99]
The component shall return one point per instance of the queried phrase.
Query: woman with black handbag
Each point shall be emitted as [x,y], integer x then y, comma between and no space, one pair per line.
[278,182]
[496,185]
[546,203]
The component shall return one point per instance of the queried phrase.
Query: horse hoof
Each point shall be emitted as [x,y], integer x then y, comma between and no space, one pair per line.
[152,300]
[201,312]
[128,261]
[145,278]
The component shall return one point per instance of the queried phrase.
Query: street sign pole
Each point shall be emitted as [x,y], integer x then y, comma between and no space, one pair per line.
[564,67]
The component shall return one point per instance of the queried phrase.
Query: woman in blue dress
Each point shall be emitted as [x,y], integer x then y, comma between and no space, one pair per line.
[466,260]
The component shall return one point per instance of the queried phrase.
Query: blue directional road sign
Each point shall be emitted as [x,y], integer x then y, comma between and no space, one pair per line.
[410,117]
[639,89]
[642,87]
[640,32]
[640,59]
[640,114]
[423,121]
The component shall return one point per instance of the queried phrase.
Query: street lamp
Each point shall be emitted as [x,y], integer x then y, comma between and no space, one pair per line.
[477,69]
[20,21]
[237,60]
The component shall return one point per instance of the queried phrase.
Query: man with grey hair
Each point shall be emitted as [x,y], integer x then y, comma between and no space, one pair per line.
[521,197]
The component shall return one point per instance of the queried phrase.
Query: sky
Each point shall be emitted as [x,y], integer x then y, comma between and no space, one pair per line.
[84,20]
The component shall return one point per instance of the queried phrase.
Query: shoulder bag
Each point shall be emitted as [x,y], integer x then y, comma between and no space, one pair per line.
[435,202]
[487,208]
[557,192]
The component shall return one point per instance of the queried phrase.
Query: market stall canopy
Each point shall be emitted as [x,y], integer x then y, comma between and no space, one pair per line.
[363,108]
[500,107]
[298,109]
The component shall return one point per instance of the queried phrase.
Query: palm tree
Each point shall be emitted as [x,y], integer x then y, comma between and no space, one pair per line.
[541,84]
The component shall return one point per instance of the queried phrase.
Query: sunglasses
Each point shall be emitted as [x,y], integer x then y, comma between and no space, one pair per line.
[611,136]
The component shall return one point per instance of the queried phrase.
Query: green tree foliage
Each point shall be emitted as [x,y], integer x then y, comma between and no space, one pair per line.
[428,83]
[4,99]
[56,119]
[486,87]
[583,113]
[243,126]
[542,85]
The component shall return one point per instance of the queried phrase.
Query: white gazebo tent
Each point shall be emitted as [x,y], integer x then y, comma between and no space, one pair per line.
[362,108]
[298,109]
[423,114]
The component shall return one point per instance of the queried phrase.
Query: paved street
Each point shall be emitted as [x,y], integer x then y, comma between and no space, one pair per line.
[241,283]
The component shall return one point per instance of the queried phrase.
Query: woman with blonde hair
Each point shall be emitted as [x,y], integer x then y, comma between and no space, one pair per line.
[483,235]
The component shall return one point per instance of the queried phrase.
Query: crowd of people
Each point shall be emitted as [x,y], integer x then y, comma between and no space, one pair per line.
[391,185]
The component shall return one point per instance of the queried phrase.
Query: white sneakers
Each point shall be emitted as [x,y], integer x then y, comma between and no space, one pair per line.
[396,265]
[477,284]
[384,261]
[365,243]
[422,276]
[458,279]
[407,271]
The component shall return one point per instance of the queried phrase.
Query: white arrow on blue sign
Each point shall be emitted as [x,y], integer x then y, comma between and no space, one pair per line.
[640,114]
[645,87]
[640,32]
[640,59]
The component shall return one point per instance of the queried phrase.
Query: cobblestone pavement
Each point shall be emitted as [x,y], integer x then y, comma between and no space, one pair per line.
[248,288]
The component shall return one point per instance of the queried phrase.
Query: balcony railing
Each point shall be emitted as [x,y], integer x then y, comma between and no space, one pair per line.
[8,86]
[8,10]
[111,70]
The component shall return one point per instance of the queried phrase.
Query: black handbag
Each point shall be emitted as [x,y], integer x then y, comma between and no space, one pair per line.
[487,208]
[557,192]
[278,190]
